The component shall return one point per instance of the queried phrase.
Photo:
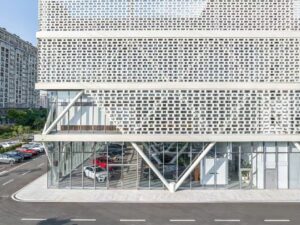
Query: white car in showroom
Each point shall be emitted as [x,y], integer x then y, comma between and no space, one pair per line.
[95,172]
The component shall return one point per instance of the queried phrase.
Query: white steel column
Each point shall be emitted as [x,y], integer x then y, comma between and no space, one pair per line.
[47,153]
[63,112]
[194,165]
[152,166]
[51,111]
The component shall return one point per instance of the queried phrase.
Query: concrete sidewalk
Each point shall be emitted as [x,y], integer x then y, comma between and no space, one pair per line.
[37,192]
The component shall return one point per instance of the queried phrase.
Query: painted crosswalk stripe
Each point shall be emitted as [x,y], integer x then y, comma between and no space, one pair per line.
[132,220]
[3,172]
[40,165]
[33,219]
[227,220]
[8,182]
[83,220]
[5,196]
[277,220]
[23,174]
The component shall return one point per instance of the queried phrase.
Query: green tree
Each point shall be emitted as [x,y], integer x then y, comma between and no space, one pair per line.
[18,131]
[19,116]
[33,118]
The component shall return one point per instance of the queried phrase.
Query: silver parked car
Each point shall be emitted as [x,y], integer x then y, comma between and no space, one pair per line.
[7,159]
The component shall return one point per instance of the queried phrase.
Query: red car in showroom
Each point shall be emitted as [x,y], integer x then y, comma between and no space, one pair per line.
[25,150]
[102,162]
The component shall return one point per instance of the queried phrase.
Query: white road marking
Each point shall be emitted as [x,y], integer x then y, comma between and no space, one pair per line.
[7,171]
[5,196]
[8,182]
[23,174]
[17,167]
[83,220]
[182,220]
[21,165]
[132,220]
[227,220]
[33,219]
[3,172]
[41,165]
[282,220]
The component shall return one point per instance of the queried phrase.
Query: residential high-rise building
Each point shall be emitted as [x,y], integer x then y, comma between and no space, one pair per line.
[171,94]
[18,72]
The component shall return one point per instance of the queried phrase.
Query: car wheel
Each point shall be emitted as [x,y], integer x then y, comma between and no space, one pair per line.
[101,181]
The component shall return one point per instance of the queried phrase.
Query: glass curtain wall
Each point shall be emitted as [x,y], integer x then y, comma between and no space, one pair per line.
[96,165]
[83,117]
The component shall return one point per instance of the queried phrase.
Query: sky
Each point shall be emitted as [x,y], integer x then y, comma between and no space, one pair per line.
[20,17]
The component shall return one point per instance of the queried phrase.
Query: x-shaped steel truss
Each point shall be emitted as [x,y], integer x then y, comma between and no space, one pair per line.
[173,186]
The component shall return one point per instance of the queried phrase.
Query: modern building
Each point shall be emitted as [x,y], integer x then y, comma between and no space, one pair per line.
[18,72]
[171,94]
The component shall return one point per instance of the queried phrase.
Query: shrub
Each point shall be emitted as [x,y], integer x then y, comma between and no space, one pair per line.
[5,130]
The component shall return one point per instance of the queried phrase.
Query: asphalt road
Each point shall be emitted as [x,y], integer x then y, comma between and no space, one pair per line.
[14,213]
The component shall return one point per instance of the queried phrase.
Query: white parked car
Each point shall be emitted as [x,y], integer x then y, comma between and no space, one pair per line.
[5,144]
[7,159]
[95,172]
[40,149]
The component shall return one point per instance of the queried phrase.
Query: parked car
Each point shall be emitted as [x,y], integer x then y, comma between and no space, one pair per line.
[26,146]
[35,146]
[95,172]
[17,157]
[22,154]
[115,152]
[102,162]
[25,150]
[5,145]
[11,143]
[39,149]
[30,138]
[114,145]
[6,159]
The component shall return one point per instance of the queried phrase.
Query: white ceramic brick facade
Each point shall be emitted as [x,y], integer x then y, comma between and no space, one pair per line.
[202,112]
[240,59]
[84,15]
[170,60]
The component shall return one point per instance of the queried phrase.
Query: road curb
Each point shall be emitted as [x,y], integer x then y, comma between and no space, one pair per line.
[14,195]
[17,199]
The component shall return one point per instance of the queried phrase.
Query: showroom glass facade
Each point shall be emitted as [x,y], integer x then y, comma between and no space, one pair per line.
[83,117]
[256,165]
